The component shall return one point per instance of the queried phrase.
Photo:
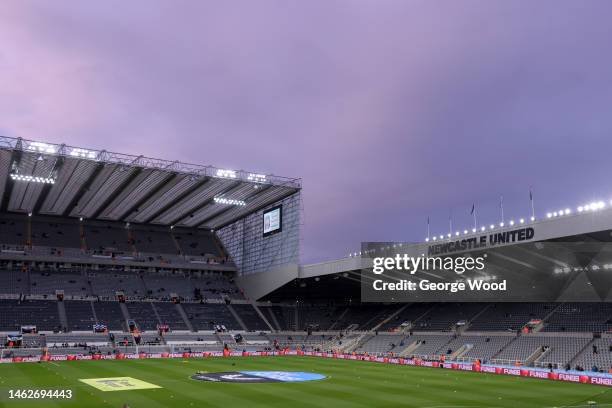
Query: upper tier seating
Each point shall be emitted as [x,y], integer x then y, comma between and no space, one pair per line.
[54,232]
[581,317]
[13,230]
[408,315]
[365,316]
[444,316]
[157,243]
[196,243]
[510,316]
[153,240]
[103,237]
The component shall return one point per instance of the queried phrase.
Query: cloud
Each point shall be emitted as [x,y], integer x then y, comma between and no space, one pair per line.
[390,111]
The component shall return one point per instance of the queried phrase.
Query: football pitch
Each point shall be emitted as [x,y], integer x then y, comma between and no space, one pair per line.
[168,383]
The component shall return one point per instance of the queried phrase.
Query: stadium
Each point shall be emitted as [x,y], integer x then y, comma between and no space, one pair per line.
[131,280]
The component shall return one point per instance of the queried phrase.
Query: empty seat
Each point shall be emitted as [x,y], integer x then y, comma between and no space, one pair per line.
[41,313]
[80,315]
[206,316]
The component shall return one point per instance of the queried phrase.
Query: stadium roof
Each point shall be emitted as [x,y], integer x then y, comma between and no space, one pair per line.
[62,180]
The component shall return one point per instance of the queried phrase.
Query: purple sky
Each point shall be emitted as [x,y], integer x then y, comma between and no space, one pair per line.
[390,111]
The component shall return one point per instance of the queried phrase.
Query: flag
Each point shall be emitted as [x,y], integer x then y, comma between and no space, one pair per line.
[473,209]
[530,195]
[99,328]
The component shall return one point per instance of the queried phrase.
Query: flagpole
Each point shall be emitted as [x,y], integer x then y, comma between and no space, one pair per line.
[473,214]
[428,228]
[532,207]
[501,206]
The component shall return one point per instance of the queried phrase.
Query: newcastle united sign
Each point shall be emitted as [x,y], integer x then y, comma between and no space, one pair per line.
[482,241]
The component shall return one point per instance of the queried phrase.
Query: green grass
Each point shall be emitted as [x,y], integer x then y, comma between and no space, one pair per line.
[350,384]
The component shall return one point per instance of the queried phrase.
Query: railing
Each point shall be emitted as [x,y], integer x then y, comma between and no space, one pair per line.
[505,361]
[465,359]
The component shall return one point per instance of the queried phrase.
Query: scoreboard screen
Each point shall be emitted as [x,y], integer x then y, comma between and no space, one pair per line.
[272,220]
